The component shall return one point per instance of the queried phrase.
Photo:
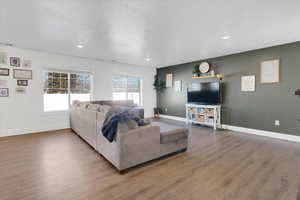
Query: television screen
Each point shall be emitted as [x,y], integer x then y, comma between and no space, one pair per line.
[204,93]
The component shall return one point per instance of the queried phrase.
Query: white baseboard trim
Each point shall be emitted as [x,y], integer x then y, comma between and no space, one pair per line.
[173,118]
[270,134]
[15,132]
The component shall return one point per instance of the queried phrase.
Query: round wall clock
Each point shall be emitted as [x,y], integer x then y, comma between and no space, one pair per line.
[204,67]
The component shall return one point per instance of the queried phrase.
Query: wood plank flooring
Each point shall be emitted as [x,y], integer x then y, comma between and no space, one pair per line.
[218,165]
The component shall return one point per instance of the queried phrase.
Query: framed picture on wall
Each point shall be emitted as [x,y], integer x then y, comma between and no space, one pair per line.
[248,83]
[22,82]
[14,61]
[4,72]
[178,86]
[269,71]
[20,90]
[169,80]
[26,64]
[4,92]
[3,58]
[22,74]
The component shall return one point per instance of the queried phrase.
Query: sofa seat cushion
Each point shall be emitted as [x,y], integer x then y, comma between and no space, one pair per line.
[171,133]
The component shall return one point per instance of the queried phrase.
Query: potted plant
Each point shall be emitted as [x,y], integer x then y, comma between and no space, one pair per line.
[157,111]
[196,71]
[158,84]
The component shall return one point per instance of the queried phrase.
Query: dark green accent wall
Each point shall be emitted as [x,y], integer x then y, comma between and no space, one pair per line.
[257,110]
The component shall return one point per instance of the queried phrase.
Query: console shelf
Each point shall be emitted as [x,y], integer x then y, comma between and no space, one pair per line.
[219,76]
[207,115]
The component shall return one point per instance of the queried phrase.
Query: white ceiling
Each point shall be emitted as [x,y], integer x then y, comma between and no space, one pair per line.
[167,31]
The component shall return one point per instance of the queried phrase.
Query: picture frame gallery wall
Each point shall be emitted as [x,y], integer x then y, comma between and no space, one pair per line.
[14,68]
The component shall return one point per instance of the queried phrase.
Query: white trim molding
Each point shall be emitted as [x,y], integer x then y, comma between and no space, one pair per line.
[15,132]
[258,132]
[270,134]
[173,118]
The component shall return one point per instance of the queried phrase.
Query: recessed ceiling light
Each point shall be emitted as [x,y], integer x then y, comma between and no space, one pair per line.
[147,59]
[225,37]
[80,46]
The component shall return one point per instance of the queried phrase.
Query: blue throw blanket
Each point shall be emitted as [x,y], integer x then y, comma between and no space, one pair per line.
[124,116]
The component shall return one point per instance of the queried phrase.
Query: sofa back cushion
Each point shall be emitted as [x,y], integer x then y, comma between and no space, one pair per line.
[127,103]
[80,105]
[93,107]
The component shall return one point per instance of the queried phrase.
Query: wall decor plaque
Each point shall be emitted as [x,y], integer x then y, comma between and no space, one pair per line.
[22,74]
[26,64]
[4,72]
[4,92]
[248,83]
[15,61]
[169,80]
[269,71]
[3,58]
[22,82]
[20,90]
[178,86]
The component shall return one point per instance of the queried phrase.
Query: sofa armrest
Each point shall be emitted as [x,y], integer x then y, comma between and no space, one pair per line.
[138,145]
[141,134]
[83,122]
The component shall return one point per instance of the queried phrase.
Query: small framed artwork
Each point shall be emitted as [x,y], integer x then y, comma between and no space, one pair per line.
[248,84]
[14,61]
[169,80]
[4,72]
[269,71]
[22,82]
[20,90]
[178,86]
[26,64]
[3,58]
[4,92]
[22,74]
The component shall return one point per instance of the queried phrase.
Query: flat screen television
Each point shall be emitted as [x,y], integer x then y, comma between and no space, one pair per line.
[204,93]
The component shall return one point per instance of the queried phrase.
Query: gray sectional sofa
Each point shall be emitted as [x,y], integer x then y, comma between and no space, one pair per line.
[130,148]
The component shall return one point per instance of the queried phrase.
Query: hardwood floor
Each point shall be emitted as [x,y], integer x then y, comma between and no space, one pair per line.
[217,166]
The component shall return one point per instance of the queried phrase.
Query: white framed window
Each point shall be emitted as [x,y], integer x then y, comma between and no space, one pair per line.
[62,88]
[127,88]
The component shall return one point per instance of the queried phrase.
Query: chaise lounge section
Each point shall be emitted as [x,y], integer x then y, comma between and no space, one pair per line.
[130,148]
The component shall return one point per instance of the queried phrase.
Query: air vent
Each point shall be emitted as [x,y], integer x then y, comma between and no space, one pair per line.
[6,44]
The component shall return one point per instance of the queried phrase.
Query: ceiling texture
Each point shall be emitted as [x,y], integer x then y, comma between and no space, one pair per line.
[167,32]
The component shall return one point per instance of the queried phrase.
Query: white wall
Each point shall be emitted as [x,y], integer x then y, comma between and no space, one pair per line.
[21,114]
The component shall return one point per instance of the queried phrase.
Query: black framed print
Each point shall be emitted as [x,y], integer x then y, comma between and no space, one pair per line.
[4,92]
[22,82]
[4,72]
[15,61]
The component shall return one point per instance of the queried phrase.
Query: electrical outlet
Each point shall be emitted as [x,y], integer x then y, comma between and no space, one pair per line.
[166,109]
[277,123]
